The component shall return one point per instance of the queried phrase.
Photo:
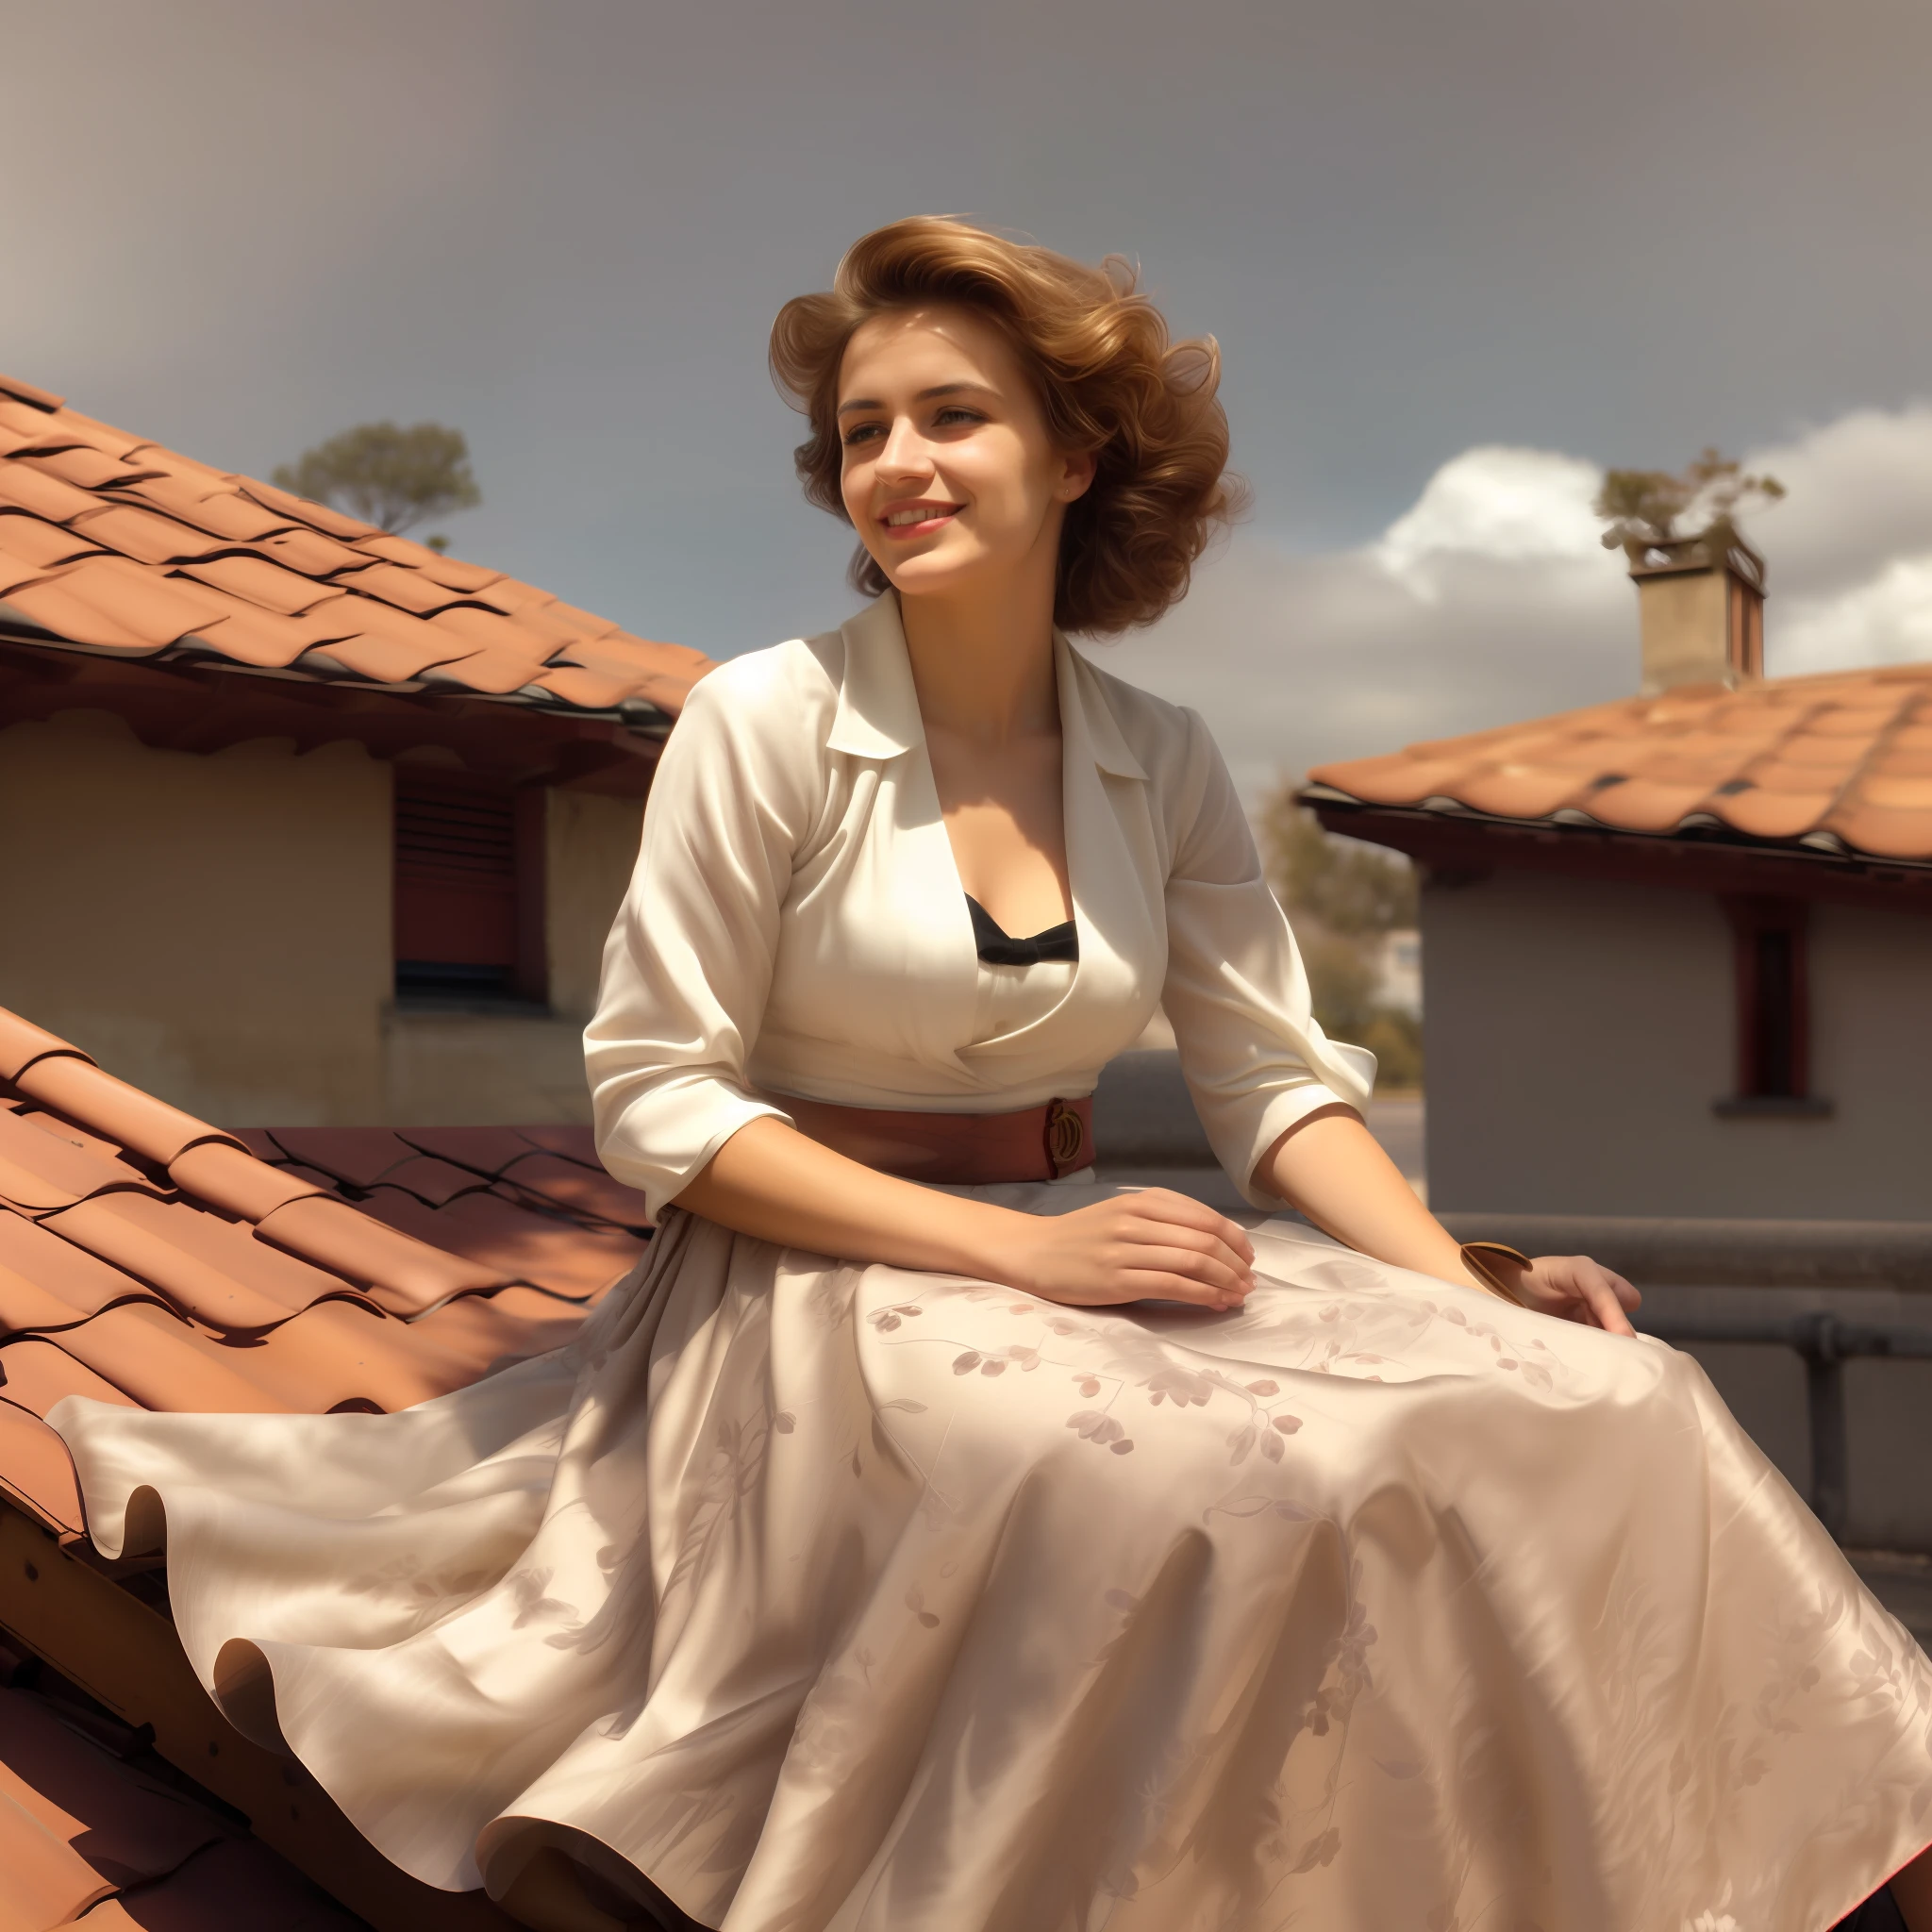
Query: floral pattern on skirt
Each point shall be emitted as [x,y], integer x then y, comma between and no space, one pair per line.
[841,1598]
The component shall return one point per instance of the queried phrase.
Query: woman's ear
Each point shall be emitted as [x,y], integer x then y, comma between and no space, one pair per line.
[1076,475]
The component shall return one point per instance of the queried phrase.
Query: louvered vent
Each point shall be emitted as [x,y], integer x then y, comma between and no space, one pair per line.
[457,886]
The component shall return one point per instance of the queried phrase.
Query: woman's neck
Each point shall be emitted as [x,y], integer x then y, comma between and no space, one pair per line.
[983,668]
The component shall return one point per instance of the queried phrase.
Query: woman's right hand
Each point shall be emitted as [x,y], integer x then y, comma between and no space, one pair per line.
[1151,1244]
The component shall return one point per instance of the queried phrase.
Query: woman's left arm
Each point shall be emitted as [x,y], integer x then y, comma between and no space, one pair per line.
[1331,1168]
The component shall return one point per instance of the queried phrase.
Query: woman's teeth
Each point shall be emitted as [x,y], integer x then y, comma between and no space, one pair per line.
[925,513]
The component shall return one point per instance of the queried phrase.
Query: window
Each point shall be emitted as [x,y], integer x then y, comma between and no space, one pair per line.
[1774,1009]
[469,886]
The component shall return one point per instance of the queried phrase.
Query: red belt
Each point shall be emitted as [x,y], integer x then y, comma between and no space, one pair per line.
[1036,1144]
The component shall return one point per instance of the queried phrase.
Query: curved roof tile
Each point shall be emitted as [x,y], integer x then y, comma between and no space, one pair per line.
[1843,757]
[112,544]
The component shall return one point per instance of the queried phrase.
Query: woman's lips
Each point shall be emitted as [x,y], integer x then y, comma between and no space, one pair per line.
[933,517]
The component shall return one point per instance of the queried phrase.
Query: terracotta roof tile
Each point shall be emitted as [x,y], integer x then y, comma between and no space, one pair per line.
[217,507]
[293,1270]
[1839,760]
[27,487]
[360,1156]
[40,1173]
[43,546]
[159,1362]
[73,1276]
[106,601]
[485,1151]
[85,467]
[67,1082]
[228,561]
[28,1309]
[249,636]
[36,1473]
[147,536]
[589,1191]
[181,1253]
[38,1375]
[298,1268]
[501,1234]
[85,1832]
[402,1275]
[267,586]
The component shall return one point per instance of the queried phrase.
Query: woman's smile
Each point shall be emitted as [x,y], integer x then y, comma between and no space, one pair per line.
[920,519]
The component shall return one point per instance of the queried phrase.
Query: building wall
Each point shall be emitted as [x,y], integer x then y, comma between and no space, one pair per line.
[449,1066]
[1578,1033]
[215,929]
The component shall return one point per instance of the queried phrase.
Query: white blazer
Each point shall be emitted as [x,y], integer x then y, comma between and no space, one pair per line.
[796,926]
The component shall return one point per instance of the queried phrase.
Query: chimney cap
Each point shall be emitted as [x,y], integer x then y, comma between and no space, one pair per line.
[1720,548]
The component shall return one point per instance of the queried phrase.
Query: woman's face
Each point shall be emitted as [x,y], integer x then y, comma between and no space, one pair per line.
[950,477]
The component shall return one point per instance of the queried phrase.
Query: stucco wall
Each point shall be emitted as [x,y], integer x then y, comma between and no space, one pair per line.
[215,929]
[592,846]
[451,1067]
[1578,1033]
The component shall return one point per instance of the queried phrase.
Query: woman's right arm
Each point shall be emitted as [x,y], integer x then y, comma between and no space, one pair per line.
[777,1185]
[771,1181]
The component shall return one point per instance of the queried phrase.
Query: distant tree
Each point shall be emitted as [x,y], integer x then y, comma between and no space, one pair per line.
[1646,506]
[1343,898]
[387,475]
[1348,887]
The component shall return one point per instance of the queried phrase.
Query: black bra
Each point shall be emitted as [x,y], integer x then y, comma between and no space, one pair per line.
[998,947]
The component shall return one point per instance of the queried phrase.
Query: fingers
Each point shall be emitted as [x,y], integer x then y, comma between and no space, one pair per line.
[1157,1234]
[1154,1285]
[1606,1307]
[1164,1205]
[1220,1278]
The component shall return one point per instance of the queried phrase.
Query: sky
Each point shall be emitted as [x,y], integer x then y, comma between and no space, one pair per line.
[1458,259]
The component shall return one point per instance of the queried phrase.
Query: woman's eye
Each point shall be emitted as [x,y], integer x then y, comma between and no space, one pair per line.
[957,415]
[860,432]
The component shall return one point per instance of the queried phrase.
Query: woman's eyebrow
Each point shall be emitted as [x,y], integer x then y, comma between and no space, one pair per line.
[941,389]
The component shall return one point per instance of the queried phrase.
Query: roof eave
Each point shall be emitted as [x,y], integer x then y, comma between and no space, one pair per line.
[1461,843]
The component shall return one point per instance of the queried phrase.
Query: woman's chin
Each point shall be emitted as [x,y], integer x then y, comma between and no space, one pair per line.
[945,578]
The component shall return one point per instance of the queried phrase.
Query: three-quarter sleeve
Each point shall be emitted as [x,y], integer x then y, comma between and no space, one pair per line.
[687,965]
[1236,991]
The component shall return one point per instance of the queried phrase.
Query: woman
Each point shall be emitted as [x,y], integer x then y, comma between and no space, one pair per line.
[1056,1556]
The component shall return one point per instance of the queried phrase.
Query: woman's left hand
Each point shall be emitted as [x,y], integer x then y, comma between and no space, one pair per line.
[1575,1288]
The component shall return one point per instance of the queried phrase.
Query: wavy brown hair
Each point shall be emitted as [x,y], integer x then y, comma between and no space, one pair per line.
[1110,380]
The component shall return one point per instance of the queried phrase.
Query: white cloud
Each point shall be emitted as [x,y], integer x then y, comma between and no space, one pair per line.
[1491,599]
[1510,506]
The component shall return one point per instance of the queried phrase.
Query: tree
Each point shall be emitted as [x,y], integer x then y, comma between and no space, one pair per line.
[1645,506]
[388,475]
[1349,888]
[1344,897]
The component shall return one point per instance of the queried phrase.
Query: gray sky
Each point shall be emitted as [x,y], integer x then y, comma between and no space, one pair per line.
[1571,231]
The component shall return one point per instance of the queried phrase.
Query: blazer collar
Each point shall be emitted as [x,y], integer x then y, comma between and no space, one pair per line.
[878,705]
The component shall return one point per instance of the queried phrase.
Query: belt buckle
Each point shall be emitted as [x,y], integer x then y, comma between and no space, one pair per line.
[1066,1139]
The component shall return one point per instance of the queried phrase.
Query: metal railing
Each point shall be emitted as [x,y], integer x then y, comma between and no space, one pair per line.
[1825,1342]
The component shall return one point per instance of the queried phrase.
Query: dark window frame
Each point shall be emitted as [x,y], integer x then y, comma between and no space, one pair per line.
[1771,1008]
[468,889]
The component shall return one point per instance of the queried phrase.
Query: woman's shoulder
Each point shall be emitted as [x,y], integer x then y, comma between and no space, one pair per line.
[1166,738]
[784,693]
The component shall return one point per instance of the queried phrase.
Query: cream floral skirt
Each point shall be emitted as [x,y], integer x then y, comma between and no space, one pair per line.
[848,1597]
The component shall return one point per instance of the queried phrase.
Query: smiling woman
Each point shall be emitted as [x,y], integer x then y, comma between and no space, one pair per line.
[930,1537]
[1100,366]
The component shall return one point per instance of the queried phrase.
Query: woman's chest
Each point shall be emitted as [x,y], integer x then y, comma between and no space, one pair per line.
[876,943]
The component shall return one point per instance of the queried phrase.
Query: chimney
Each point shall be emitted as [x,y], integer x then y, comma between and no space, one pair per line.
[1701,603]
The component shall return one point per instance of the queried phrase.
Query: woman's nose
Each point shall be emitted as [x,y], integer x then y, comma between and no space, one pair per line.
[904,453]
